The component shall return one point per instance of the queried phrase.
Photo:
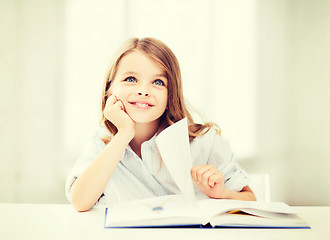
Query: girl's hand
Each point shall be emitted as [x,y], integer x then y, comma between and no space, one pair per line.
[209,180]
[115,112]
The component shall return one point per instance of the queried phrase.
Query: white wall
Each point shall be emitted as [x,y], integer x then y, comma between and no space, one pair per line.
[272,97]
[308,108]
[293,100]
[8,101]
[31,94]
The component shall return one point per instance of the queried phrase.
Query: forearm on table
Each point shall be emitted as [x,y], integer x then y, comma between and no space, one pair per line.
[89,186]
[245,194]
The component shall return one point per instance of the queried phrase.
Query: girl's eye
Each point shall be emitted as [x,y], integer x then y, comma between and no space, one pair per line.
[159,82]
[130,79]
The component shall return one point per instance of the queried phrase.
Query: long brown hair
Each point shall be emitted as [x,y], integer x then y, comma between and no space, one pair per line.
[176,108]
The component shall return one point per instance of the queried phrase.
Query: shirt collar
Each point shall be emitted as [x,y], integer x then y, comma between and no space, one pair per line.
[149,143]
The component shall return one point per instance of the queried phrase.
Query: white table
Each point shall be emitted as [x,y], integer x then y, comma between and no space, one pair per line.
[61,221]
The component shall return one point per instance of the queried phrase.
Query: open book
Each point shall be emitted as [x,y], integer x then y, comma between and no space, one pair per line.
[175,211]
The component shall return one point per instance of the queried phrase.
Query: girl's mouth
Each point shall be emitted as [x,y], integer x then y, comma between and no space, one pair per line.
[141,105]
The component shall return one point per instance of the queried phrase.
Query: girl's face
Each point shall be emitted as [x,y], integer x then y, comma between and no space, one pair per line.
[142,87]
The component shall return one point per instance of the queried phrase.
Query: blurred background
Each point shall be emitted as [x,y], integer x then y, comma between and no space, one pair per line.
[258,68]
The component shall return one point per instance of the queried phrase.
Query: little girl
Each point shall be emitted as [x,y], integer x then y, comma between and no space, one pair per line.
[142,96]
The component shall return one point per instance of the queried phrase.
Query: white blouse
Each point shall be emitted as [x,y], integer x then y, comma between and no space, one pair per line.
[136,178]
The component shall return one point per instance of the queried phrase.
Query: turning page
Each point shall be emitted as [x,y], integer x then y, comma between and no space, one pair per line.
[174,148]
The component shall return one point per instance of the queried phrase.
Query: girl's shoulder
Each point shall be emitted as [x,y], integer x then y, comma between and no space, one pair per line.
[210,145]
[206,138]
[207,135]
[210,139]
[96,141]
[102,135]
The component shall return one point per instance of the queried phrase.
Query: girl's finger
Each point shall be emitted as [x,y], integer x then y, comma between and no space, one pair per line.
[193,175]
[207,175]
[120,105]
[111,100]
[194,170]
[201,171]
[216,178]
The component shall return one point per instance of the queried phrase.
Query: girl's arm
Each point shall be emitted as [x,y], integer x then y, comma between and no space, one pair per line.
[89,186]
[245,194]
[211,182]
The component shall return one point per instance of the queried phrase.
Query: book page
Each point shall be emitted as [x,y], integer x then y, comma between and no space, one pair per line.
[246,220]
[164,210]
[174,148]
[212,207]
[236,213]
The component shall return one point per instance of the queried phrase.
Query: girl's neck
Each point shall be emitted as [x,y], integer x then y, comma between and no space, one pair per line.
[143,132]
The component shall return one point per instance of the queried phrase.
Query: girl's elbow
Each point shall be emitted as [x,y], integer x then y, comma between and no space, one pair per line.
[250,196]
[79,204]
[80,207]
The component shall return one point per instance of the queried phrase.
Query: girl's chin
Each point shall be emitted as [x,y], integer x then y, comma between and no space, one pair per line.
[146,117]
[143,119]
[139,120]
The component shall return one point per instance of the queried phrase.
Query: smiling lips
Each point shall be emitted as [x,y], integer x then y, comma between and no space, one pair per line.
[141,104]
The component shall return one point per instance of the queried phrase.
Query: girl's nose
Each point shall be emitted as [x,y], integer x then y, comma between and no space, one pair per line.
[143,94]
[143,90]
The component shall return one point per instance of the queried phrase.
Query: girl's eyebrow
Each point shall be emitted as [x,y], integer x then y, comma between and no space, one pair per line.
[134,73]
[160,75]
[130,73]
